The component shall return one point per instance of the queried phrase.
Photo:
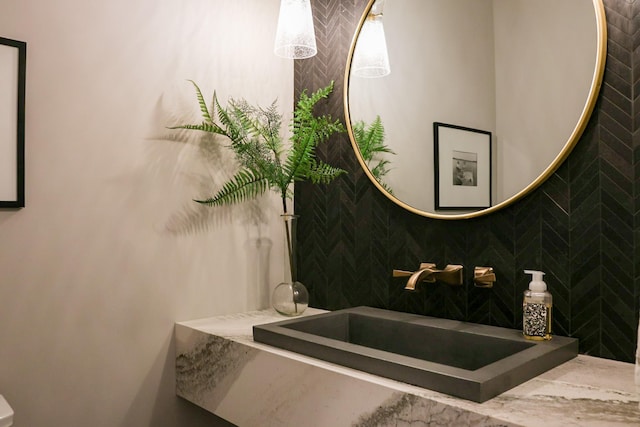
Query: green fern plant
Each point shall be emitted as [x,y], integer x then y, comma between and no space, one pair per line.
[370,140]
[264,160]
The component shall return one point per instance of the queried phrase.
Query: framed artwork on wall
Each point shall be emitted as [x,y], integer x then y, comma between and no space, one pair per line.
[462,158]
[13,55]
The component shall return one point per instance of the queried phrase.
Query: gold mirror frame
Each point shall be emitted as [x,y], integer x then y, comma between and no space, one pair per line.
[596,83]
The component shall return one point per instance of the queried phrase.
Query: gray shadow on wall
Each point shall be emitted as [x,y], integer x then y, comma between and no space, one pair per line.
[203,163]
[191,164]
[258,252]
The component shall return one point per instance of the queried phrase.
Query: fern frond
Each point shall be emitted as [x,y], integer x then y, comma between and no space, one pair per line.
[308,131]
[370,141]
[204,126]
[303,113]
[376,137]
[322,173]
[244,185]
[298,162]
[380,169]
[233,131]
[245,116]
[272,131]
[255,139]
[306,103]
[203,105]
[248,133]
[386,187]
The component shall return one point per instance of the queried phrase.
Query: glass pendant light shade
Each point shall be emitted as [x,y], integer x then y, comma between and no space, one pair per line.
[370,57]
[295,37]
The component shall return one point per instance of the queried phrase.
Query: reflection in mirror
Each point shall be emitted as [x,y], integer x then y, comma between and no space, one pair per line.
[374,151]
[526,71]
[370,57]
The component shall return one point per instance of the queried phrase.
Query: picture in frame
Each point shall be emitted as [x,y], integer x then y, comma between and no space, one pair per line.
[13,55]
[462,158]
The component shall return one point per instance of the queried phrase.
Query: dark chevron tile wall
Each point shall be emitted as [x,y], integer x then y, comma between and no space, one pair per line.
[582,226]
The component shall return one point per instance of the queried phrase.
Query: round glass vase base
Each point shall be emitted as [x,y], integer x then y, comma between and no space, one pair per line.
[290,299]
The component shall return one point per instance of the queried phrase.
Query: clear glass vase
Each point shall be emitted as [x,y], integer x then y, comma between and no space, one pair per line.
[290,298]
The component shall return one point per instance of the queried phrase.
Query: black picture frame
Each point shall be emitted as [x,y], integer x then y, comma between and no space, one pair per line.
[463,167]
[13,66]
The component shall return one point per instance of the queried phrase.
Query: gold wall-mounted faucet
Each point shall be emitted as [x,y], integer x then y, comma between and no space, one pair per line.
[451,275]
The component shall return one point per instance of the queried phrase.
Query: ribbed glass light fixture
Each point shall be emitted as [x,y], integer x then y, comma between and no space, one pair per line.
[295,37]
[370,57]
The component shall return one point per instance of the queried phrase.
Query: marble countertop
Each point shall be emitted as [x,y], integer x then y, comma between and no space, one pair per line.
[220,368]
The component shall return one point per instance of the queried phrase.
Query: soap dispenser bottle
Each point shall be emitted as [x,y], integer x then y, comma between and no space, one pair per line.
[536,309]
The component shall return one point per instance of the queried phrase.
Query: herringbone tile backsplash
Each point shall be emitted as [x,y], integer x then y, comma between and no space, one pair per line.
[582,226]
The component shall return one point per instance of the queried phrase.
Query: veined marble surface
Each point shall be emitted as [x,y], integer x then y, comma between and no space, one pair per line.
[220,368]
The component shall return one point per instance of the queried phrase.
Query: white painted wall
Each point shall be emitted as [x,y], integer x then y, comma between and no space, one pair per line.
[534,104]
[92,278]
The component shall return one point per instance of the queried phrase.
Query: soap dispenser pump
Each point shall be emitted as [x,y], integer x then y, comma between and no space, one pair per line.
[536,309]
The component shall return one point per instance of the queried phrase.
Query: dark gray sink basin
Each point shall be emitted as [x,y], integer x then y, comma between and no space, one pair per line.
[472,361]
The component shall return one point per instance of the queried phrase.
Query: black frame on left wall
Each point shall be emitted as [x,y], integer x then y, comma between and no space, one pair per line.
[13,65]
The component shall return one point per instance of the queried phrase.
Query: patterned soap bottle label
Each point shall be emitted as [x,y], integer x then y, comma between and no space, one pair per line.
[535,320]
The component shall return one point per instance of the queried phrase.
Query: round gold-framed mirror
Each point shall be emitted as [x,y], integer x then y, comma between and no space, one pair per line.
[470,104]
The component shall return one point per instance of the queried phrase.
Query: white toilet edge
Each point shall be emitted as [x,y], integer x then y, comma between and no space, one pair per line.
[6,413]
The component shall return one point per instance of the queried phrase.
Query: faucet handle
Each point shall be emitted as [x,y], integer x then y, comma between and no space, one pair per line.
[424,265]
[483,277]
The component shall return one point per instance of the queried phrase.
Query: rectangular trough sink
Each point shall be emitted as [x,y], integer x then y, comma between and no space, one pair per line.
[467,360]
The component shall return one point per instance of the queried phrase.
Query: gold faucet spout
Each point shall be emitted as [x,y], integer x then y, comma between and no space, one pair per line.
[451,275]
[422,275]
